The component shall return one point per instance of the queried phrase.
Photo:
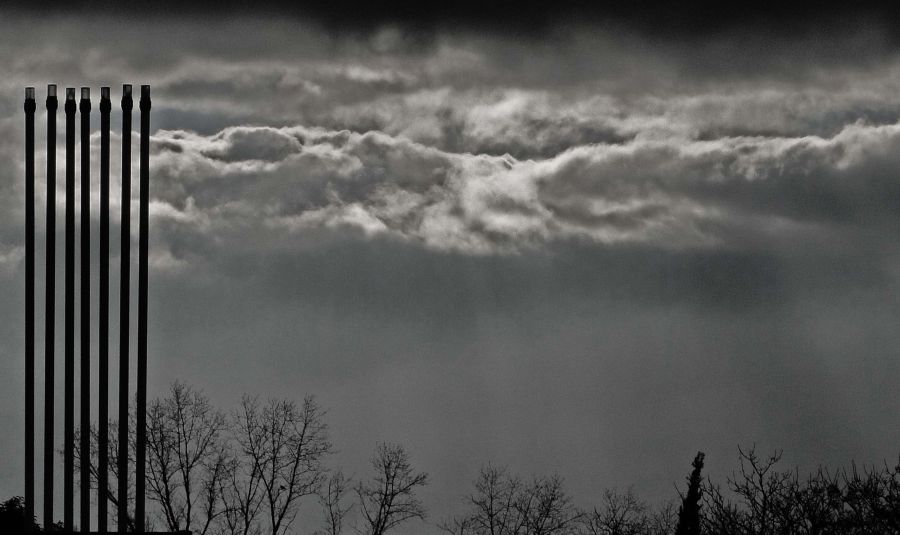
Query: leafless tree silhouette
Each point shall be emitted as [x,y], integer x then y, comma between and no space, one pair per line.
[333,503]
[242,494]
[503,505]
[457,525]
[620,514]
[546,508]
[187,459]
[759,499]
[496,498]
[389,498]
[249,475]
[283,446]
[113,473]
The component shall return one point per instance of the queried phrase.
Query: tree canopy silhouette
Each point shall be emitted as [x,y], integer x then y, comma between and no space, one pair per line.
[689,512]
[251,472]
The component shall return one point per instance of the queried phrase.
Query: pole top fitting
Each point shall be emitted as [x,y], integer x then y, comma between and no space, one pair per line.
[105,105]
[145,98]
[127,102]
[52,103]
[70,101]
[85,93]
[30,105]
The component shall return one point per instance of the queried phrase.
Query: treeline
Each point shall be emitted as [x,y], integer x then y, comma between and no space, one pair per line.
[759,498]
[255,470]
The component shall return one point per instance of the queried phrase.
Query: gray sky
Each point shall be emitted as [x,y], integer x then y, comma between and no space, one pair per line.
[584,250]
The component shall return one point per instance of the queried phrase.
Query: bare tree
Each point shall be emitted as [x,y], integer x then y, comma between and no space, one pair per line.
[620,514]
[761,500]
[872,499]
[546,508]
[242,494]
[284,446]
[389,499]
[332,502]
[187,459]
[494,502]
[457,525]
[662,520]
[503,505]
[113,467]
[763,497]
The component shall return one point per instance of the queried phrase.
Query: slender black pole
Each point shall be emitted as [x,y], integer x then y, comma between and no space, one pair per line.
[30,107]
[50,307]
[69,384]
[143,249]
[85,405]
[103,336]
[124,300]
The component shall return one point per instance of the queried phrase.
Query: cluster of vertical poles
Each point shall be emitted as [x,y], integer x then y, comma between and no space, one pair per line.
[85,301]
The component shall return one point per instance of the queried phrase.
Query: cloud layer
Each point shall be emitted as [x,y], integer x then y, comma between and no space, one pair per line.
[730,192]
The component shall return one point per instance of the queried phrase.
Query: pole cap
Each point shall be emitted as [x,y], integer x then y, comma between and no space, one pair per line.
[145,98]
[51,90]
[29,93]
[86,93]
[127,102]
[70,93]
[104,92]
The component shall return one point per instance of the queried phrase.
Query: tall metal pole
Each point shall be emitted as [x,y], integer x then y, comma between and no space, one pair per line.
[50,307]
[30,107]
[124,300]
[143,247]
[85,427]
[103,335]
[69,384]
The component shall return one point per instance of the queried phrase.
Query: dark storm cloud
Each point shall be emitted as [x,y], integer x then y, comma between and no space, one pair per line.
[614,247]
[693,19]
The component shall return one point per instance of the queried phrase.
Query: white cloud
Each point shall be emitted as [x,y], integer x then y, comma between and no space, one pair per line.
[672,193]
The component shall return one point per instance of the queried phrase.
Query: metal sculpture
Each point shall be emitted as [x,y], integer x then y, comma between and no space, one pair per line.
[84,446]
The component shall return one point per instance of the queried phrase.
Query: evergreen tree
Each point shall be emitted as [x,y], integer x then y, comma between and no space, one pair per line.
[689,512]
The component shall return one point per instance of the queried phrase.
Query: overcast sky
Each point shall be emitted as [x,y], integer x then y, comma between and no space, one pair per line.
[576,244]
